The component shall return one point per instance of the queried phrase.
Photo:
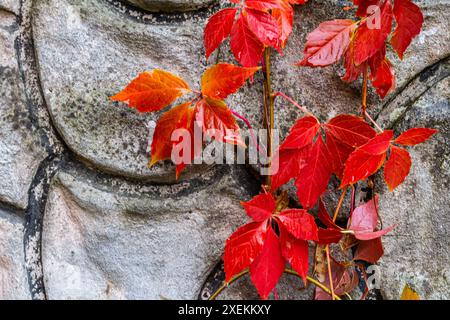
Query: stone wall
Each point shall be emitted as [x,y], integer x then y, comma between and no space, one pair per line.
[82,217]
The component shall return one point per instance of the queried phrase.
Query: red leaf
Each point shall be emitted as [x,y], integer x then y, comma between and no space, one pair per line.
[242,248]
[326,44]
[364,221]
[217,121]
[264,26]
[350,129]
[370,37]
[415,136]
[299,223]
[409,22]
[339,153]
[285,19]
[360,165]
[379,144]
[352,71]
[397,167]
[260,207]
[367,159]
[295,252]
[361,235]
[218,29]
[246,47]
[383,79]
[344,281]
[162,137]
[370,250]
[313,178]
[223,79]
[365,217]
[363,6]
[302,133]
[290,162]
[263,5]
[152,91]
[327,236]
[268,266]
[324,216]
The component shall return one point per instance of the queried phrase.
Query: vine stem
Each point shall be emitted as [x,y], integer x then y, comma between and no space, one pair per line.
[287,271]
[338,207]
[373,121]
[364,90]
[330,274]
[269,113]
[281,94]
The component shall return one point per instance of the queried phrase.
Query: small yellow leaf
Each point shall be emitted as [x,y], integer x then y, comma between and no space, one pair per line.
[409,294]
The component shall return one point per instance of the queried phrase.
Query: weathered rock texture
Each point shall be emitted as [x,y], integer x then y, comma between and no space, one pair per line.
[85,218]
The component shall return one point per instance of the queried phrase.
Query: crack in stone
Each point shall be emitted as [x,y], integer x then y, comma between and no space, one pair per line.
[423,81]
[146,17]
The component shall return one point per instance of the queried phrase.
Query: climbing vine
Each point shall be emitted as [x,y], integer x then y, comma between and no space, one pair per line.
[352,147]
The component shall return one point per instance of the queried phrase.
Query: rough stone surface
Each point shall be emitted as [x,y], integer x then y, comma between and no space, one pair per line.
[20,150]
[171,5]
[10,5]
[417,251]
[107,239]
[114,229]
[13,278]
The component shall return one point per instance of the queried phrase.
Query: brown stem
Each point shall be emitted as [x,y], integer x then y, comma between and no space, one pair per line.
[268,113]
[364,91]
[330,274]
[341,199]
[288,271]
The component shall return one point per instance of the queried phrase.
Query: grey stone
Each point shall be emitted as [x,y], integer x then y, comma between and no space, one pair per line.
[417,250]
[20,149]
[10,5]
[171,5]
[108,239]
[13,277]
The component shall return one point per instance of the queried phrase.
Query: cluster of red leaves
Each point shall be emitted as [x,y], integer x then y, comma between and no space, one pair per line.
[269,242]
[251,26]
[155,90]
[362,43]
[351,150]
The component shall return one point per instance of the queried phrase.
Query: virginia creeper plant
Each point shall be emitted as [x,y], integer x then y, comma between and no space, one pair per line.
[353,147]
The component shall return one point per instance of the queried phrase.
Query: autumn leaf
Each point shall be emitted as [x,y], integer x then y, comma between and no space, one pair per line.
[301,134]
[350,129]
[268,267]
[162,144]
[295,252]
[383,79]
[285,19]
[264,26]
[370,251]
[246,47]
[369,37]
[223,79]
[326,44]
[242,248]
[363,5]
[415,136]
[409,294]
[218,29]
[152,91]
[299,223]
[367,159]
[409,20]
[290,162]
[313,178]
[344,281]
[397,167]
[364,221]
[217,121]
[260,207]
